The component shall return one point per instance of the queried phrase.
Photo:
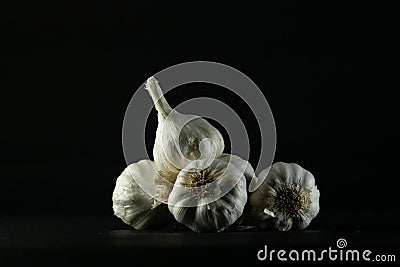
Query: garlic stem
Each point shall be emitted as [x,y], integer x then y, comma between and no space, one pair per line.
[157,96]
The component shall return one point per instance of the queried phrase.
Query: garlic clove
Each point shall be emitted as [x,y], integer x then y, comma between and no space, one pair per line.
[289,192]
[243,165]
[180,138]
[198,199]
[133,204]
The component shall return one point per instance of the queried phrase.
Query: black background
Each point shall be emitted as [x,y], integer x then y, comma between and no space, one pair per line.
[69,73]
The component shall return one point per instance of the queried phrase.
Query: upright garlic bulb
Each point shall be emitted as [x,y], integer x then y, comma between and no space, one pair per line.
[288,198]
[180,138]
[208,197]
[136,204]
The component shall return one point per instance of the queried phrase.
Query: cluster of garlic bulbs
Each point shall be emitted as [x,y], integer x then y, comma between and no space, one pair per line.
[192,181]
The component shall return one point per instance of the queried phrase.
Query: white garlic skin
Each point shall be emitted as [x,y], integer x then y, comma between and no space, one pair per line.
[209,216]
[136,207]
[264,201]
[243,165]
[179,136]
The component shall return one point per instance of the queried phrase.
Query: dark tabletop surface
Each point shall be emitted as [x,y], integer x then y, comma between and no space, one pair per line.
[99,240]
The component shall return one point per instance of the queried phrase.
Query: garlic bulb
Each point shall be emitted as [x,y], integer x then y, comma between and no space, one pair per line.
[288,198]
[208,197]
[134,197]
[180,138]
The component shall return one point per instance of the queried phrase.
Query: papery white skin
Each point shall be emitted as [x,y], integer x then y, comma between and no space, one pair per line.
[263,199]
[180,138]
[243,165]
[134,205]
[212,214]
